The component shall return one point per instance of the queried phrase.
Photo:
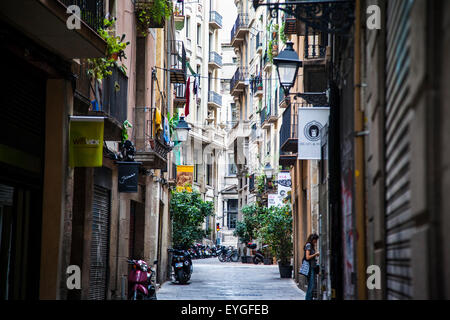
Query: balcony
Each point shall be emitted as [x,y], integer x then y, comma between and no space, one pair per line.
[257,86]
[146,6]
[178,15]
[178,72]
[156,156]
[267,62]
[239,82]
[113,105]
[240,29]
[45,22]
[214,100]
[315,63]
[258,42]
[151,149]
[215,20]
[179,99]
[215,60]
[289,128]
[268,116]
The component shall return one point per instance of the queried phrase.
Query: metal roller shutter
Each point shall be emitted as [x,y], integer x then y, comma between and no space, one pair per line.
[398,152]
[99,244]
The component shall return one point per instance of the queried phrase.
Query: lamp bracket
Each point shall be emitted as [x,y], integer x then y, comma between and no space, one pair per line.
[328,16]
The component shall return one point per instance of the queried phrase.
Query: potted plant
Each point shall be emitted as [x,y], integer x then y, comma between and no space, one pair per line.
[247,229]
[100,68]
[152,14]
[276,231]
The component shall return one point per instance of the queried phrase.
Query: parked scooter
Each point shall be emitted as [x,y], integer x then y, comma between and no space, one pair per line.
[140,281]
[182,265]
[259,255]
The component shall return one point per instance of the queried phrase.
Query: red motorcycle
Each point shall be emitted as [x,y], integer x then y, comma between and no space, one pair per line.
[140,281]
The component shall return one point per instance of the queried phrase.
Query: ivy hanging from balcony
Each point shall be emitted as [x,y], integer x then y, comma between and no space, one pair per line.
[152,14]
[100,68]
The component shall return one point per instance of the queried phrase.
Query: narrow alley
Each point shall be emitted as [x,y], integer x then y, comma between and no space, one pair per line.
[214,280]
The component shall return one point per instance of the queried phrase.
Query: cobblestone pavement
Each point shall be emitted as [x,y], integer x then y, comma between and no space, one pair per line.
[214,280]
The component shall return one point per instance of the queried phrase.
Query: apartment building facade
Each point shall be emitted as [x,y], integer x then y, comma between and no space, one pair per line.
[53,214]
[205,146]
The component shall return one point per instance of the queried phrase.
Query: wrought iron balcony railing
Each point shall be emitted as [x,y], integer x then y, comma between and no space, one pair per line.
[289,129]
[92,11]
[239,79]
[214,97]
[215,19]
[241,22]
[178,70]
[258,43]
[216,58]
[315,51]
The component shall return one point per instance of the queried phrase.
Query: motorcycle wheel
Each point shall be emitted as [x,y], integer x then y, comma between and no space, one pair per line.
[137,295]
[180,277]
[256,260]
[235,257]
[221,258]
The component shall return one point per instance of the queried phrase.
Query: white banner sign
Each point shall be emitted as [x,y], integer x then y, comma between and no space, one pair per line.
[284,185]
[310,123]
[273,200]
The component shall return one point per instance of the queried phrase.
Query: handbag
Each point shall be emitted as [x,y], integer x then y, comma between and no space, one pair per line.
[304,269]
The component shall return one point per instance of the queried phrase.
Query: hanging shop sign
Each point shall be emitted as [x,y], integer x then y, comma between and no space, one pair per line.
[284,186]
[86,141]
[311,121]
[128,176]
[273,200]
[185,178]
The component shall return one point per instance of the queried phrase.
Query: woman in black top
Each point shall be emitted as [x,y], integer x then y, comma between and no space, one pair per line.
[310,256]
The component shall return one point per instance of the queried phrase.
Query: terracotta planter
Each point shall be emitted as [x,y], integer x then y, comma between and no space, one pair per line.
[115,56]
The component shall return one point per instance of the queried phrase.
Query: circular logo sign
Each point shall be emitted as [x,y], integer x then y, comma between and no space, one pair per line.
[312,131]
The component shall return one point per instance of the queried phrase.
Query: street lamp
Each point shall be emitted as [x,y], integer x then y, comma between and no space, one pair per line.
[268,171]
[287,63]
[182,130]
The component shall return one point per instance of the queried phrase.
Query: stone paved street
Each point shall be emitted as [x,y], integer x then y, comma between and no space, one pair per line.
[214,280]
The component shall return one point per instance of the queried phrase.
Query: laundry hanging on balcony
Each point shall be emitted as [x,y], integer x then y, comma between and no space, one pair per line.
[166,131]
[158,126]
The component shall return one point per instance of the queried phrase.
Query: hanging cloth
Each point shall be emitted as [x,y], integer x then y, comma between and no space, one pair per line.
[188,93]
[195,85]
[166,130]
[158,126]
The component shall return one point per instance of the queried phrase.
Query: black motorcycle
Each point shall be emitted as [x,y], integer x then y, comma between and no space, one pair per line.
[182,265]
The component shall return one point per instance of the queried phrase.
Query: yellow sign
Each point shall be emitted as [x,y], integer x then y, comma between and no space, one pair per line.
[185,178]
[86,142]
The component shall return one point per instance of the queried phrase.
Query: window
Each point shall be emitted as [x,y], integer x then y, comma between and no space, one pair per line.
[188,25]
[231,166]
[232,212]
[199,34]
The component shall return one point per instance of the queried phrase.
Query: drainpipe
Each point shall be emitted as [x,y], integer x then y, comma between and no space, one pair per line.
[359,165]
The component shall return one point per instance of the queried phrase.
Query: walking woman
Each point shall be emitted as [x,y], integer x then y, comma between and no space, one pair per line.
[310,256]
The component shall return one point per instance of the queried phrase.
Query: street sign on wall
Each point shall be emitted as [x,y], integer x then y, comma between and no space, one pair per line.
[310,123]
